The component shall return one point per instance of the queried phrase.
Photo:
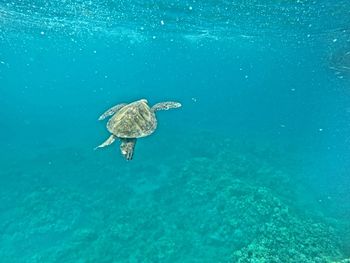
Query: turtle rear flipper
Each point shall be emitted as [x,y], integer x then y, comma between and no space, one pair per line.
[127,147]
[107,142]
[111,111]
[166,105]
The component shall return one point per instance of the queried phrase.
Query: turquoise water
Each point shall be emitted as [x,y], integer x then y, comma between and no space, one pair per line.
[254,167]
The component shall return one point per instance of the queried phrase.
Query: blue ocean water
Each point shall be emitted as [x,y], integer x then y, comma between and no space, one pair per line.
[254,167]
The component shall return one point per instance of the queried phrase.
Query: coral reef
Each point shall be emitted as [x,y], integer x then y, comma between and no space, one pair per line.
[232,206]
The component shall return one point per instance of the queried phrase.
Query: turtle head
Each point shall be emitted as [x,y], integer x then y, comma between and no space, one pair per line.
[127,148]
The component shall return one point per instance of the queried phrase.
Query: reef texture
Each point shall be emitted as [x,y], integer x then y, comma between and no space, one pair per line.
[206,206]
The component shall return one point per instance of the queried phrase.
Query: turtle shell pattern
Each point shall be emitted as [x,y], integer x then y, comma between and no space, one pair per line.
[134,120]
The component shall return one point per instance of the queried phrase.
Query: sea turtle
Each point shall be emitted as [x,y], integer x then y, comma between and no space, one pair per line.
[132,121]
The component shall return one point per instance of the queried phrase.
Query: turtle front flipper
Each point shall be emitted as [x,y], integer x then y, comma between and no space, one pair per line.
[127,147]
[107,142]
[166,105]
[111,111]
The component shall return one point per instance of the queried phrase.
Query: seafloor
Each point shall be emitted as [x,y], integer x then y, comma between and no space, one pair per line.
[218,200]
